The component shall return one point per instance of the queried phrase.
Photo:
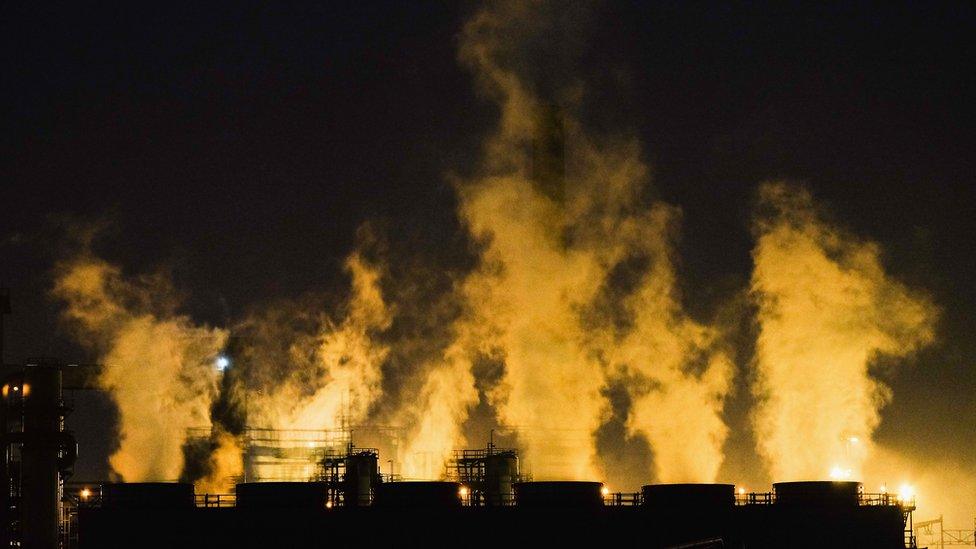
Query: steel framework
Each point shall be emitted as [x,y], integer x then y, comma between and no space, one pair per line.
[947,537]
[471,469]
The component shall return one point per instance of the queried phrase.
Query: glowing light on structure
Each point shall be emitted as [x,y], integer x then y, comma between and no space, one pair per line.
[605,491]
[742,491]
[464,491]
[222,363]
[328,504]
[85,493]
[906,492]
[839,473]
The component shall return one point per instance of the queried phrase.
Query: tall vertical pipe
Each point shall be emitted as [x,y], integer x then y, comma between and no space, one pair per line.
[4,310]
[42,436]
[4,439]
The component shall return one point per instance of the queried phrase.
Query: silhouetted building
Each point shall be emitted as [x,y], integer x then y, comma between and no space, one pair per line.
[544,514]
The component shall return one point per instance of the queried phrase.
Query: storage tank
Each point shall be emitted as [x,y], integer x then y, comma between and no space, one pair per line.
[147,495]
[362,474]
[418,494]
[501,474]
[550,494]
[282,495]
[818,493]
[692,513]
[688,496]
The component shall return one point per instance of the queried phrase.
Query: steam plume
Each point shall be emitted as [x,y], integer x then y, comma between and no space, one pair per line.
[447,394]
[826,310]
[305,370]
[575,291]
[224,465]
[156,365]
[553,234]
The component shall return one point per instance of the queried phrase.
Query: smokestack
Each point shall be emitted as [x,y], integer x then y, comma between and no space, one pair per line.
[4,310]
[549,152]
[40,489]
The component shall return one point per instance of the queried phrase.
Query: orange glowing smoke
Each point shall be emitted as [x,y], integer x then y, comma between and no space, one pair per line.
[827,309]
[538,300]
[156,364]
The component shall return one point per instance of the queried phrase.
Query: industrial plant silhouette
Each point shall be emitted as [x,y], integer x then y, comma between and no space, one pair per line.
[346,501]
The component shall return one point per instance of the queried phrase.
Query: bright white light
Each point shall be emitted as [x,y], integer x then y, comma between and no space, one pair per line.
[328,504]
[605,491]
[884,488]
[906,492]
[854,440]
[742,491]
[839,473]
[222,363]
[85,493]
[463,491]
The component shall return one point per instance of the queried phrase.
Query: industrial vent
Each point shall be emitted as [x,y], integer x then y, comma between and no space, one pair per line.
[147,495]
[282,495]
[418,494]
[559,494]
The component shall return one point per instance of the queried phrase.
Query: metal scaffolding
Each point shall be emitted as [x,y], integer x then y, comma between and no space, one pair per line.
[486,475]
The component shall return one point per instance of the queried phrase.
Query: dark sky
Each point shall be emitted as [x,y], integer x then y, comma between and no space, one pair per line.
[242,144]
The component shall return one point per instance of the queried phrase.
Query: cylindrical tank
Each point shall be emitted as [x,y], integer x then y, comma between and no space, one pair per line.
[501,474]
[688,496]
[818,493]
[147,495]
[282,495]
[418,494]
[559,494]
[362,474]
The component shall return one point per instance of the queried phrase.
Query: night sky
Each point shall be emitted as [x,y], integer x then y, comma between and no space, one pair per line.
[242,144]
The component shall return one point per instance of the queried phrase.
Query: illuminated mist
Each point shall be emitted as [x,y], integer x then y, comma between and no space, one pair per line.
[559,231]
[942,486]
[156,365]
[332,376]
[574,292]
[224,464]
[310,373]
[574,295]
[826,309]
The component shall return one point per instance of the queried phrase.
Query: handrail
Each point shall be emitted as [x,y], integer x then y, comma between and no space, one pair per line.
[210,501]
[883,499]
[623,499]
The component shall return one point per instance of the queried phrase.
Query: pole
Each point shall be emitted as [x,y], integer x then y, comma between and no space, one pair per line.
[941,533]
